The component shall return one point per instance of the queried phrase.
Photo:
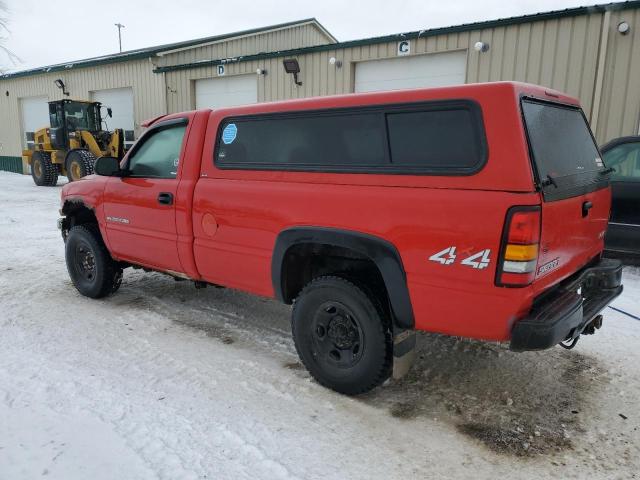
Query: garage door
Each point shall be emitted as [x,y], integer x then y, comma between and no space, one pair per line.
[226,91]
[120,100]
[431,70]
[35,115]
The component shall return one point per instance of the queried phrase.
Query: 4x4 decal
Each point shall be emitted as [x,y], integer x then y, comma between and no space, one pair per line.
[445,257]
[477,260]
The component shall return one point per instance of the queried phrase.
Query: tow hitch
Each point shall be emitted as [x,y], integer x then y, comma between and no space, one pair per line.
[589,329]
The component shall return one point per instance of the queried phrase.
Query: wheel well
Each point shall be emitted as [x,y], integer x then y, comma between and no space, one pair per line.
[77,213]
[305,261]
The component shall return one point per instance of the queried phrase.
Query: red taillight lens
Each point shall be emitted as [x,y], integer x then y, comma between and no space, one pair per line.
[520,245]
[524,228]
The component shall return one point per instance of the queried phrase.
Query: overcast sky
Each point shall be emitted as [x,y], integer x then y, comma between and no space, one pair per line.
[45,32]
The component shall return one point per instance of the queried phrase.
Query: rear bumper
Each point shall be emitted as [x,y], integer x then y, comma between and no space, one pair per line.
[566,311]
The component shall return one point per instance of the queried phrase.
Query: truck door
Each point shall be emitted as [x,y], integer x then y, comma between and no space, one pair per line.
[139,208]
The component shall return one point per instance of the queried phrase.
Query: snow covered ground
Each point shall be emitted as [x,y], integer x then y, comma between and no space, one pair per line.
[165,381]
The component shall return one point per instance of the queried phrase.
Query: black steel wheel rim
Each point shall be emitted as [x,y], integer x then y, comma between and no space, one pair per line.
[85,261]
[337,337]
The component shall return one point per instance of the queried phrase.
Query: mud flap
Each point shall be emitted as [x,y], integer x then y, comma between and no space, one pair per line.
[404,352]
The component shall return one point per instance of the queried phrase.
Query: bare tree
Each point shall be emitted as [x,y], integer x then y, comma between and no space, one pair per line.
[4,32]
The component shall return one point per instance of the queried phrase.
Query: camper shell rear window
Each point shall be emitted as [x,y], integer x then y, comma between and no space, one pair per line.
[564,153]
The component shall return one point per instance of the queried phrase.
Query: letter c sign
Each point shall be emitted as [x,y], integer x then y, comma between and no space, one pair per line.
[404,47]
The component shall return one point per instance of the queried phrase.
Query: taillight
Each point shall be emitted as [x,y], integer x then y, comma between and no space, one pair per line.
[520,245]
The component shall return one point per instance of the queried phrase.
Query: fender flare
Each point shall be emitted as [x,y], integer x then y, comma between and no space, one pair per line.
[383,254]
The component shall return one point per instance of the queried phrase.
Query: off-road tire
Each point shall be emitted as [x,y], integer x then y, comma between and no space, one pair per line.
[84,249]
[363,314]
[43,171]
[79,163]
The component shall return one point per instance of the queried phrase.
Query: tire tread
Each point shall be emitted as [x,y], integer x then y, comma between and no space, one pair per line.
[112,272]
[385,367]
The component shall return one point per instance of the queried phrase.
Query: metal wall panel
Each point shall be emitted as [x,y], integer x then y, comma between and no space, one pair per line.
[559,53]
[620,101]
[305,35]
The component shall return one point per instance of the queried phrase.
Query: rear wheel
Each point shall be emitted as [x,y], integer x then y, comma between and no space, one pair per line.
[43,171]
[92,270]
[342,336]
[79,163]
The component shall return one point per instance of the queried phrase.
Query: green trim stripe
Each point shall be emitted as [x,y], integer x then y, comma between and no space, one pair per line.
[11,164]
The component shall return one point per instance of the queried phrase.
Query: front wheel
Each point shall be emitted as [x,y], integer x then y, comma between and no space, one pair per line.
[342,336]
[79,163]
[92,270]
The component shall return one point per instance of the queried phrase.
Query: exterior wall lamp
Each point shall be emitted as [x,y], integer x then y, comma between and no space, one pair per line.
[624,28]
[60,84]
[291,66]
[481,47]
[336,63]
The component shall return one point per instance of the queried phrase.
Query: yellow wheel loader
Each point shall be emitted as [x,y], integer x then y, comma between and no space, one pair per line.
[72,142]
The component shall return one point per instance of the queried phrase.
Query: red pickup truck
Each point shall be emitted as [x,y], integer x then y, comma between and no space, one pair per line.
[477,210]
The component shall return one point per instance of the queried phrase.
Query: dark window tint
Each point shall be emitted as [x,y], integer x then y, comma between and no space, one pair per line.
[54,117]
[625,160]
[159,155]
[563,148]
[318,140]
[435,139]
[81,116]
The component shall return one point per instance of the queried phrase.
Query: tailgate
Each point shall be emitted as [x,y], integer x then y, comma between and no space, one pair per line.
[576,197]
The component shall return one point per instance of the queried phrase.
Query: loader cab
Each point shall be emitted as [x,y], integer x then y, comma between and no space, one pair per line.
[68,116]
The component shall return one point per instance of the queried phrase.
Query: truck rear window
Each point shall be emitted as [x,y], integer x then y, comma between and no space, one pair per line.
[564,152]
[432,138]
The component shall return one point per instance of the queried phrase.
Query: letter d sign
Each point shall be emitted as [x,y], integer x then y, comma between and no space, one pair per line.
[404,47]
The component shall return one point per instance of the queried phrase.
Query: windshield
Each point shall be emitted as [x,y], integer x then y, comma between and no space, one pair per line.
[81,116]
[563,149]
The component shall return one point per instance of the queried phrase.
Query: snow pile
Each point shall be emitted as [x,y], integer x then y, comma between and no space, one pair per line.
[165,381]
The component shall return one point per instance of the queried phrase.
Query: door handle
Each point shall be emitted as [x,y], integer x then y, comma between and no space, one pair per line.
[165,198]
[586,206]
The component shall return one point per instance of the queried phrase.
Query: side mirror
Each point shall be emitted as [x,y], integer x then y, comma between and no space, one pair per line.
[109,112]
[107,167]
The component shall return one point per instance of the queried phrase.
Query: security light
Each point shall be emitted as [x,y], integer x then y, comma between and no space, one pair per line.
[60,84]
[291,66]
[337,63]
[481,46]
[623,28]
[261,71]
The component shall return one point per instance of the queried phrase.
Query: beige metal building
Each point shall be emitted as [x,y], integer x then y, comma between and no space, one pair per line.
[590,52]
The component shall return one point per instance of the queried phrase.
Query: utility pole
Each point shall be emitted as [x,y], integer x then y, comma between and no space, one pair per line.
[120,27]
